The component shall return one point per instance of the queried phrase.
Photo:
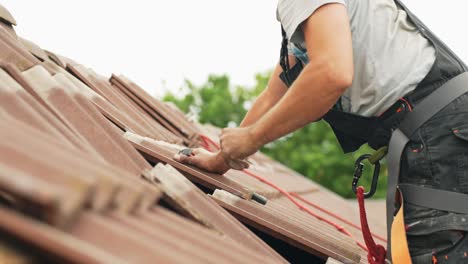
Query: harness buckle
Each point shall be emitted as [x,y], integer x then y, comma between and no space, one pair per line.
[359,168]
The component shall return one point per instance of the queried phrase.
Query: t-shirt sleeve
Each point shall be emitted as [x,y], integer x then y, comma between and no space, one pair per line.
[291,13]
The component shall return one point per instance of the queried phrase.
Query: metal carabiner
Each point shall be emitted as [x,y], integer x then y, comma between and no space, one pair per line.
[359,168]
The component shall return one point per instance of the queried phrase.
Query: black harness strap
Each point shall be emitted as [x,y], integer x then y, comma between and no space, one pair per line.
[437,199]
[428,107]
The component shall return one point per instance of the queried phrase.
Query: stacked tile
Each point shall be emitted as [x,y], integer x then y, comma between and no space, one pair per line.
[172,120]
[121,88]
[184,195]
[91,200]
[145,125]
[13,52]
[123,234]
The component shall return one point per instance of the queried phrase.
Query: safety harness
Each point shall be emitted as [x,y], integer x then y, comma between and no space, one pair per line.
[446,81]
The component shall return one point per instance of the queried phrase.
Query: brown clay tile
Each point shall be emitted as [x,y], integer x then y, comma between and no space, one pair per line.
[171,113]
[192,201]
[62,106]
[344,209]
[199,241]
[57,245]
[79,188]
[34,49]
[133,194]
[41,107]
[13,52]
[168,241]
[121,87]
[205,239]
[296,233]
[252,183]
[169,132]
[17,103]
[49,93]
[59,60]
[113,133]
[151,196]
[177,121]
[121,241]
[156,126]
[81,121]
[51,155]
[107,109]
[54,58]
[293,212]
[37,196]
[104,89]
[158,151]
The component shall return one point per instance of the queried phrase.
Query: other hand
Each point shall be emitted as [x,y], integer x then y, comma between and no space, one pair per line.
[238,143]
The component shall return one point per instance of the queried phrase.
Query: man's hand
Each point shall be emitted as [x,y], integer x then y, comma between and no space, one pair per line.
[205,160]
[239,143]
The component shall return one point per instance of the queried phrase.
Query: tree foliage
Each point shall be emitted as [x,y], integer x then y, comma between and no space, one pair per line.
[312,151]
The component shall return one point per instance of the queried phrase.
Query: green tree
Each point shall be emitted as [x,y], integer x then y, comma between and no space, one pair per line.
[312,151]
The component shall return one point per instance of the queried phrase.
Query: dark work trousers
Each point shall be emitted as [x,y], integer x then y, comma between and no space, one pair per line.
[437,157]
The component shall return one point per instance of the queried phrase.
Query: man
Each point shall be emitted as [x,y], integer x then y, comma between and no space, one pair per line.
[368,63]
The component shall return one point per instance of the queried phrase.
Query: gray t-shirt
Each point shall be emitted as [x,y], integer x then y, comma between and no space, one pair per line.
[390,55]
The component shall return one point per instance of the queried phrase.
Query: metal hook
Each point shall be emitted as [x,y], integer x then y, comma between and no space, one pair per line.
[359,168]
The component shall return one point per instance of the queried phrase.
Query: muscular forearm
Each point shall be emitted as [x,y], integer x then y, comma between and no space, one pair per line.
[262,104]
[268,98]
[310,97]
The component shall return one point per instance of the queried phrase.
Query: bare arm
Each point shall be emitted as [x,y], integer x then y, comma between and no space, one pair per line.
[268,98]
[316,90]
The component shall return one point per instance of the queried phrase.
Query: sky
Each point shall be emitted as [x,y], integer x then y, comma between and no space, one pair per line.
[159,44]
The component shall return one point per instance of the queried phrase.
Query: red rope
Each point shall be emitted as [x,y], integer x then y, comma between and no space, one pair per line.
[376,253]
[206,141]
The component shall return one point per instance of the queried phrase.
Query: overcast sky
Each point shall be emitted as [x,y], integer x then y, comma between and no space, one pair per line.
[159,43]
